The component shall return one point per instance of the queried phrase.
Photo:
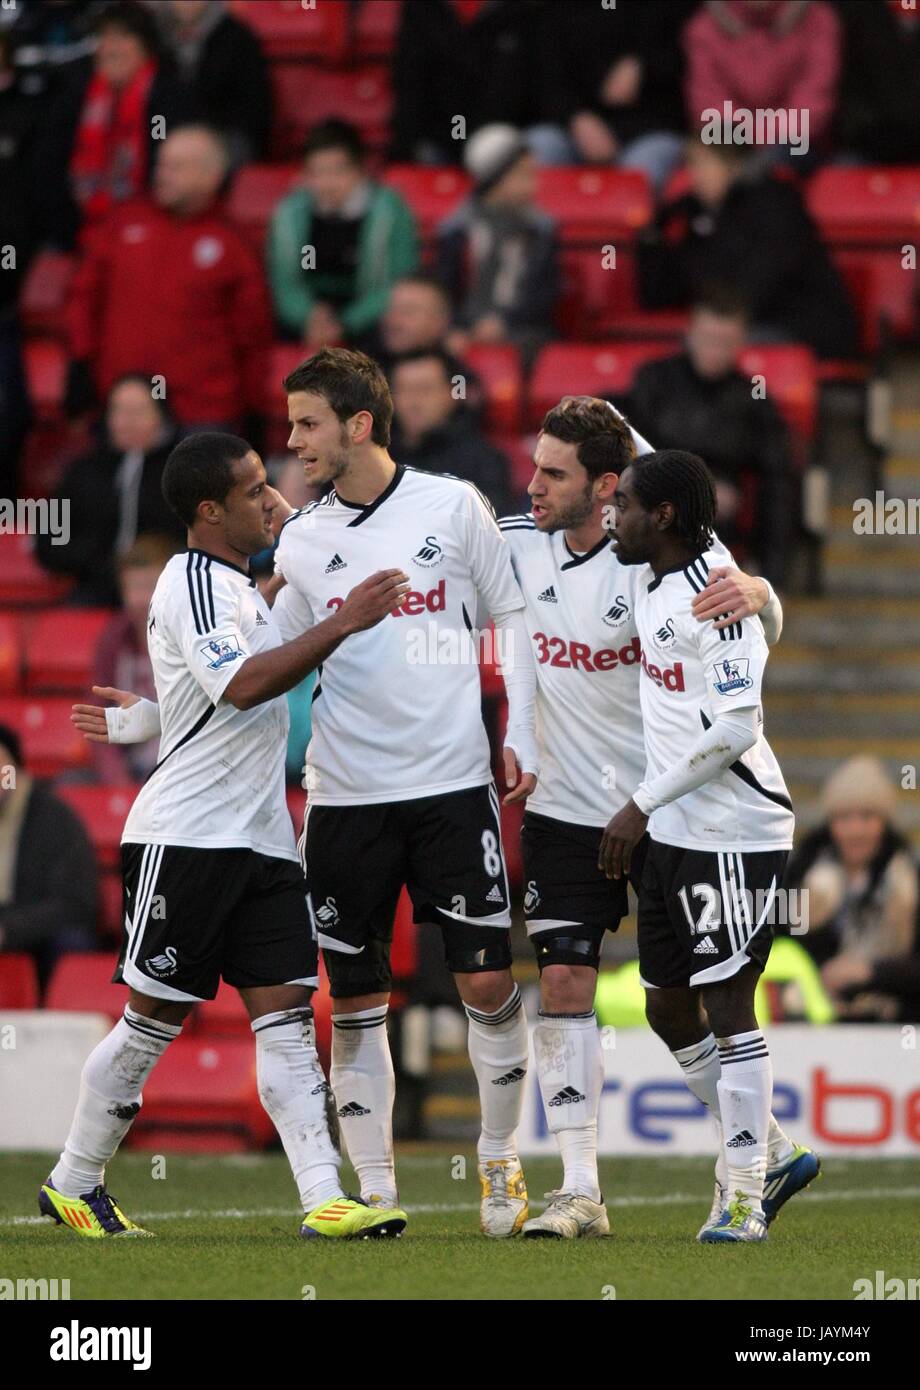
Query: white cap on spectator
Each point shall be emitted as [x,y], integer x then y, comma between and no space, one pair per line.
[491,152]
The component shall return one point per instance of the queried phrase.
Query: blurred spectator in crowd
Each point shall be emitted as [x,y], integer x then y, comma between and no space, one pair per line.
[767,55]
[741,226]
[862,895]
[114,494]
[436,431]
[170,288]
[220,62]
[47,867]
[122,661]
[497,252]
[19,113]
[417,315]
[472,61]
[102,136]
[879,111]
[701,397]
[610,85]
[359,234]
[51,36]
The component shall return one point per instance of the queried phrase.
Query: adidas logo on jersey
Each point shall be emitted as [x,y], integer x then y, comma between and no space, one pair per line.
[567,1096]
[548,595]
[336,563]
[706,948]
[509,1078]
[260,621]
[495,895]
[743,1140]
[352,1110]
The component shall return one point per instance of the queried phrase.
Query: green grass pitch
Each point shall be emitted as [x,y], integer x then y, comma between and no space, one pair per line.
[226,1228]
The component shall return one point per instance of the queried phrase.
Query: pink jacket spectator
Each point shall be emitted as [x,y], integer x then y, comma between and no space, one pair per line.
[784,54]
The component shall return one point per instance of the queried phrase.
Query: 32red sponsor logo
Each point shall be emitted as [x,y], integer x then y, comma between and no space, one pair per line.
[671,677]
[556,651]
[415,602]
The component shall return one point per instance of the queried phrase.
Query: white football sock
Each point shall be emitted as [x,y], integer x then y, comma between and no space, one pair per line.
[365,1089]
[745,1094]
[111,1082]
[498,1047]
[570,1069]
[294,1091]
[779,1145]
[701,1068]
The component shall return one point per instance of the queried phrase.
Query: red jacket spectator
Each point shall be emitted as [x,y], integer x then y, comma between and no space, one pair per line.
[180,297]
[777,55]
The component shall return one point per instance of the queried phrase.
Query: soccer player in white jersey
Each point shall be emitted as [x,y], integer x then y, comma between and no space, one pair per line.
[213,884]
[400,788]
[719,818]
[580,612]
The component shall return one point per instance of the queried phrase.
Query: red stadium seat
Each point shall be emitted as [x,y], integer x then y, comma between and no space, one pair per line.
[595,296]
[519,450]
[790,378]
[256,191]
[306,95]
[885,294]
[50,742]
[498,367]
[44,294]
[82,983]
[223,1017]
[46,371]
[375,28]
[594,205]
[10,654]
[22,579]
[431,191]
[403,956]
[103,811]
[201,1083]
[289,29]
[61,649]
[18,981]
[111,904]
[870,206]
[581,369]
[297,801]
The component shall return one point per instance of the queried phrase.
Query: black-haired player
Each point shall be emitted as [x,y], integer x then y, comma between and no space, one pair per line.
[720,823]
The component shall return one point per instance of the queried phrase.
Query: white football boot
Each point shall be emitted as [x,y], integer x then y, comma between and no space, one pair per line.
[503,1208]
[568,1217]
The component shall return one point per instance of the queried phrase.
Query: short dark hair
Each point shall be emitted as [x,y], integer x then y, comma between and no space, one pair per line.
[200,469]
[9,739]
[427,281]
[451,364]
[675,476]
[350,381]
[335,135]
[724,300]
[131,19]
[602,438]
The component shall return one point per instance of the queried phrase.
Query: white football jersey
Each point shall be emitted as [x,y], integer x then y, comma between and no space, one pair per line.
[219,783]
[579,611]
[397,710]
[691,673]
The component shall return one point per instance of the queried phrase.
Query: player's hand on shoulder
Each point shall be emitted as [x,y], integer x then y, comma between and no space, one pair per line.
[621,834]
[90,719]
[371,600]
[729,595]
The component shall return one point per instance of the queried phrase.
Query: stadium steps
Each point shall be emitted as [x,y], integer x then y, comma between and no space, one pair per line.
[844,679]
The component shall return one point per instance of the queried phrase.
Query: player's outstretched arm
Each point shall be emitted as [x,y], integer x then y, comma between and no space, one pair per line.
[519,674]
[130,718]
[730,594]
[268,674]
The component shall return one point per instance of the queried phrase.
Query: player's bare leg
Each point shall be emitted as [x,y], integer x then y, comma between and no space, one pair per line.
[111,1083]
[498,1047]
[364,1086]
[570,1071]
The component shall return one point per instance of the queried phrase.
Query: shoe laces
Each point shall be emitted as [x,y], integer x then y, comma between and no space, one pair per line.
[103,1206]
[497,1179]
